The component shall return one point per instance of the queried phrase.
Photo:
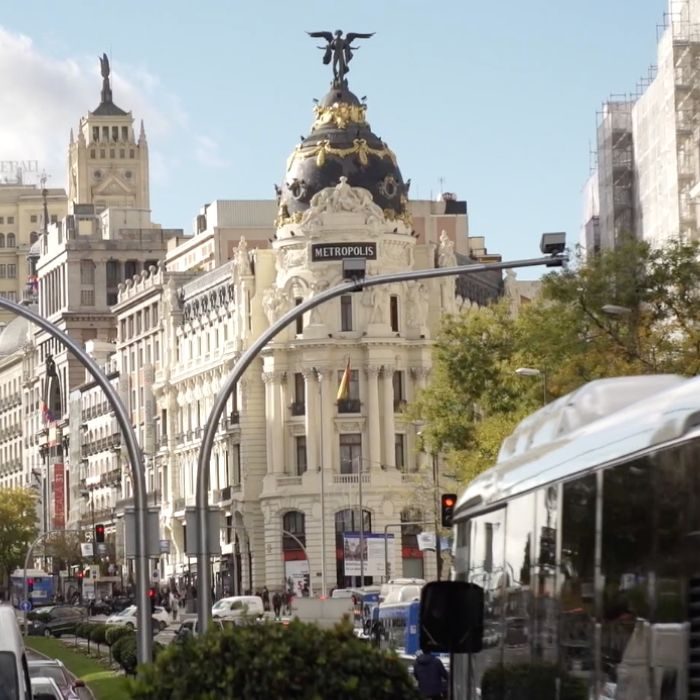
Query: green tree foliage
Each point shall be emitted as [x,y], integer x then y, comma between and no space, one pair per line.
[273,661]
[475,399]
[18,528]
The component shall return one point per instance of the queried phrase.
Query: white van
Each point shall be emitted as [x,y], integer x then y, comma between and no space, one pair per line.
[238,605]
[14,673]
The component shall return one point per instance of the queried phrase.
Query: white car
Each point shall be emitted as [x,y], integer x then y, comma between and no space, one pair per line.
[238,605]
[127,617]
[44,688]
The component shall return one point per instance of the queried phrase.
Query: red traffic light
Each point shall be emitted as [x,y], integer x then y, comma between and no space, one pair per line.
[30,581]
[152,592]
[448,501]
[99,533]
[79,574]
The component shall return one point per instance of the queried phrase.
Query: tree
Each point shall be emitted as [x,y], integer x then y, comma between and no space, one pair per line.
[18,528]
[475,399]
[64,549]
[273,661]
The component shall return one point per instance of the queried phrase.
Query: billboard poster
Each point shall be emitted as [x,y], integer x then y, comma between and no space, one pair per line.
[296,574]
[373,553]
[59,496]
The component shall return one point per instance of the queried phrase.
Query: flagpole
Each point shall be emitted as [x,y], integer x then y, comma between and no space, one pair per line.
[324,590]
[362,525]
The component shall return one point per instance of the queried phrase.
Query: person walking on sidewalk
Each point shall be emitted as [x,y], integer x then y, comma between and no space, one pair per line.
[431,676]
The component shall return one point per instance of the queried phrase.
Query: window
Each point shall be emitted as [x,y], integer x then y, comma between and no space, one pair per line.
[95,133]
[33,237]
[347,522]
[2,240]
[12,271]
[350,404]
[300,320]
[400,450]
[11,240]
[294,523]
[3,271]
[125,133]
[236,464]
[33,218]
[577,567]
[87,272]
[399,393]
[394,313]
[300,445]
[87,297]
[346,312]
[54,218]
[10,219]
[350,453]
[299,405]
[131,268]
[115,133]
[411,554]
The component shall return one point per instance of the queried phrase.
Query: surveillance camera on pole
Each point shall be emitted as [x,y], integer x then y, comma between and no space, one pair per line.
[554,244]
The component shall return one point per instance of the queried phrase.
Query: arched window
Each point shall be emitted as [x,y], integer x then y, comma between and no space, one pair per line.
[11,241]
[411,555]
[2,240]
[293,522]
[33,237]
[347,527]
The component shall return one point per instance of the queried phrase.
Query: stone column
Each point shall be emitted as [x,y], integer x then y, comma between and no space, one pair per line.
[389,425]
[373,420]
[312,421]
[267,378]
[277,420]
[327,418]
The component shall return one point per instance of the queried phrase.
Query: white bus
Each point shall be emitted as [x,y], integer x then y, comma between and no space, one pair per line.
[585,537]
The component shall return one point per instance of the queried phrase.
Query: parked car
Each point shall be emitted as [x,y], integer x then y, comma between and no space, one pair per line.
[45,689]
[56,620]
[53,668]
[127,617]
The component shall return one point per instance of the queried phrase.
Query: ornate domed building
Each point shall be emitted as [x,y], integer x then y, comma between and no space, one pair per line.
[342,144]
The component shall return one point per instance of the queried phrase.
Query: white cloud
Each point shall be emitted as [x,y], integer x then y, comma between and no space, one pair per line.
[208,152]
[43,97]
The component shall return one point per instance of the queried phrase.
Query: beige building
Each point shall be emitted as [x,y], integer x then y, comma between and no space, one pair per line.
[21,222]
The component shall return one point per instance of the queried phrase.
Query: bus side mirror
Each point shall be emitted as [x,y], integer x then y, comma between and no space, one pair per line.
[451,617]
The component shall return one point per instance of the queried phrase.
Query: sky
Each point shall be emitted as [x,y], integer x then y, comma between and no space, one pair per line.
[495,100]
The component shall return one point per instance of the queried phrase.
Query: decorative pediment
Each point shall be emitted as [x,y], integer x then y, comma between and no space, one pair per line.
[111,186]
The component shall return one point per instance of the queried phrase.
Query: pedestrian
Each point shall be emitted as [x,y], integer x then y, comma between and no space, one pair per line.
[174,604]
[276,604]
[266,599]
[431,676]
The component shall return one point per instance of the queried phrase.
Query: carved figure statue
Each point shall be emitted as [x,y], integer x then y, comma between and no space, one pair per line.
[342,198]
[417,307]
[274,303]
[374,298]
[317,286]
[446,251]
[242,259]
[338,49]
[104,66]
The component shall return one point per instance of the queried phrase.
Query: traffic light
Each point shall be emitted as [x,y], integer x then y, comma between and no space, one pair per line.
[30,585]
[99,533]
[79,575]
[152,595]
[448,502]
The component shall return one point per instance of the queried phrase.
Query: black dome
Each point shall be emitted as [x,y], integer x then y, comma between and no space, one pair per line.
[341,143]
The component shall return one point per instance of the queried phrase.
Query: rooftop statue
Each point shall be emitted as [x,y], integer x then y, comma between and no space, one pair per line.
[339,49]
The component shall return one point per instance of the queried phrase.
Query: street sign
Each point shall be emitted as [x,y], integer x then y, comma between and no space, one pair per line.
[86,549]
[25,605]
[165,546]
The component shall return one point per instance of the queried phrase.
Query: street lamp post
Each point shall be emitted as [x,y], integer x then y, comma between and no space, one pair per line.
[436,499]
[532,372]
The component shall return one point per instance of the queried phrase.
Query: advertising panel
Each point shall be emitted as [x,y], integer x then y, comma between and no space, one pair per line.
[59,496]
[373,553]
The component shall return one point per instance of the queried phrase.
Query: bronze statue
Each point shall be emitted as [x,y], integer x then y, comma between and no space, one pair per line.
[104,66]
[339,49]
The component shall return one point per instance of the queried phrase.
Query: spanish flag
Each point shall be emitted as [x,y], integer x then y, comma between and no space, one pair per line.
[344,383]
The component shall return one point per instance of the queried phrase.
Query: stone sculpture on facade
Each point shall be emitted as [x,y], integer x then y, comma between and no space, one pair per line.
[274,304]
[242,259]
[446,251]
[417,306]
[342,199]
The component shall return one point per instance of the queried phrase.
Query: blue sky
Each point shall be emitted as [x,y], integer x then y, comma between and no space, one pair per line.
[498,99]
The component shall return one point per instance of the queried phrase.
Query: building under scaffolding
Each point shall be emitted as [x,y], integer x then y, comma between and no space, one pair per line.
[648,169]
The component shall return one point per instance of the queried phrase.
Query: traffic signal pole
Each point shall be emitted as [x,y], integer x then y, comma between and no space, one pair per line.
[204,574]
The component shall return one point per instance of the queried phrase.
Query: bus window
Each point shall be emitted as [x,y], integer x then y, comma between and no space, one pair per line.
[544,642]
[577,566]
[520,517]
[625,560]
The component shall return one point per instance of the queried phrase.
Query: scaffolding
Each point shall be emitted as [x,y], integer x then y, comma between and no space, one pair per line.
[616,170]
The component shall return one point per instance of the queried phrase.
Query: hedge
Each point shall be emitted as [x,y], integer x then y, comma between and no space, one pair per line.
[270,660]
[124,652]
[115,632]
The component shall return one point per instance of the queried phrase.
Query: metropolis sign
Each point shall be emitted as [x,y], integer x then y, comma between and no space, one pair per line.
[341,251]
